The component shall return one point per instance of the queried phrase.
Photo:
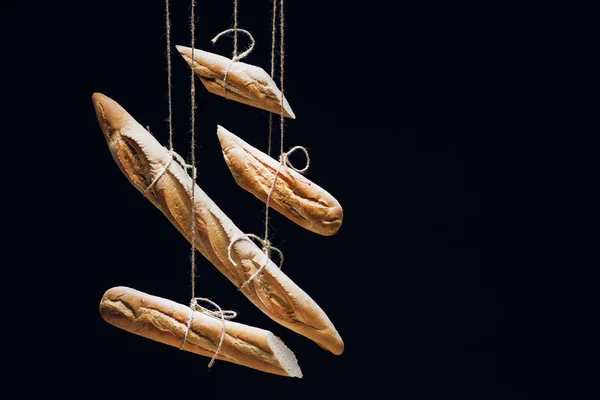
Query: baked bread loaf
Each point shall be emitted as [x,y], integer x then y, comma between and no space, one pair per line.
[148,165]
[246,83]
[166,322]
[294,196]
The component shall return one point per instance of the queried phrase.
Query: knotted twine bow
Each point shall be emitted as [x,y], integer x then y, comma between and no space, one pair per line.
[222,314]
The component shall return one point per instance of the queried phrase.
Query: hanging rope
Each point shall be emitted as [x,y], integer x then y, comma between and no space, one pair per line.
[235,58]
[222,314]
[235,28]
[273,35]
[266,248]
[194,306]
[193,150]
[283,157]
[168,28]
[172,156]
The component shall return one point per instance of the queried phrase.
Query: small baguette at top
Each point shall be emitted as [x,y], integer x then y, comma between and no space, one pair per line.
[143,161]
[247,84]
[166,322]
[294,196]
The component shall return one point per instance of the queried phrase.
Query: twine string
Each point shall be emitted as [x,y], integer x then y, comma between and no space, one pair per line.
[194,306]
[193,151]
[173,155]
[223,315]
[170,86]
[266,248]
[273,38]
[235,27]
[236,57]
[283,158]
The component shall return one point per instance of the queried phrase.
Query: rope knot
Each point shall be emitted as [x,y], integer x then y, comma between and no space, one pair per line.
[266,248]
[219,313]
[173,156]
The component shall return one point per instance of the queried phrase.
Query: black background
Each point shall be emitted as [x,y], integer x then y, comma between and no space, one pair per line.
[455,136]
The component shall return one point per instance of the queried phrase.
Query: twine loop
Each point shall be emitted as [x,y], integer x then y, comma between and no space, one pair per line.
[219,313]
[266,248]
[235,57]
[284,158]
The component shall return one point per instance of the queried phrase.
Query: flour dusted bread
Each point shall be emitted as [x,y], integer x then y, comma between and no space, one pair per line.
[294,196]
[166,321]
[143,160]
[245,83]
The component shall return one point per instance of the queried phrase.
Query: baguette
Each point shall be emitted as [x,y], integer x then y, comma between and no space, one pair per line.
[294,196]
[143,161]
[166,322]
[247,84]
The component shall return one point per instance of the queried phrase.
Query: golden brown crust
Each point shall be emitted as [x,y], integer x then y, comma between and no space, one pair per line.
[272,291]
[166,322]
[294,196]
[247,84]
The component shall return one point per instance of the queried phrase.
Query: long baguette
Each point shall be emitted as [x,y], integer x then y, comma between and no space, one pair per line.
[247,84]
[294,196]
[166,322]
[143,160]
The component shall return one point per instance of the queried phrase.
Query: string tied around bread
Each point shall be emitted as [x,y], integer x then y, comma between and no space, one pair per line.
[173,155]
[283,161]
[236,57]
[219,313]
[267,248]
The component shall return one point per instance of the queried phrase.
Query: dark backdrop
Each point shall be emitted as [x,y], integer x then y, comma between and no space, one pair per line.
[445,129]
